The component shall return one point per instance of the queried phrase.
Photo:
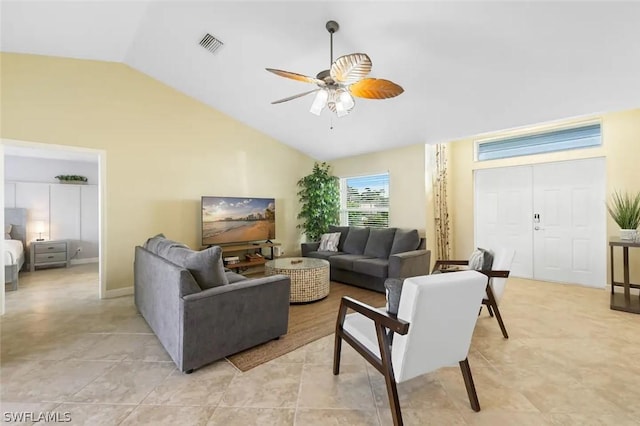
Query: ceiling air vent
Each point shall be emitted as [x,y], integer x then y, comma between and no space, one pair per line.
[211,43]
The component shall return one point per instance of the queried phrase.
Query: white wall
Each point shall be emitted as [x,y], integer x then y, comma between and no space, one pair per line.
[28,169]
[31,182]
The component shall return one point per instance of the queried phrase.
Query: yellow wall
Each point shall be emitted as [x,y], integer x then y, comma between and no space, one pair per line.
[621,138]
[408,195]
[164,150]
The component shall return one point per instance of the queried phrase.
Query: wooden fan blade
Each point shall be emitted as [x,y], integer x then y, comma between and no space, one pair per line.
[299,95]
[375,88]
[348,69]
[295,76]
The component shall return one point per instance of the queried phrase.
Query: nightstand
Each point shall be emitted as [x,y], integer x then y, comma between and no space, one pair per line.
[46,253]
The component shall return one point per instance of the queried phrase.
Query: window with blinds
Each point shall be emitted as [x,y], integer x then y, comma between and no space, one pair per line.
[364,201]
[584,136]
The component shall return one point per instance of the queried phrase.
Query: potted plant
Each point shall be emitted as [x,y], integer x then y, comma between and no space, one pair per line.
[319,196]
[72,179]
[624,208]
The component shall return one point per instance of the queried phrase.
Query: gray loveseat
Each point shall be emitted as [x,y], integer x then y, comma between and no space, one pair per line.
[198,325]
[366,257]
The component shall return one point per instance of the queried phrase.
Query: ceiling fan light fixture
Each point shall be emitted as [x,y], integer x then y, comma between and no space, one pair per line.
[346,99]
[319,102]
[345,78]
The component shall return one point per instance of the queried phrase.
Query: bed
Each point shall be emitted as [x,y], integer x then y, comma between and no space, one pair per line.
[15,221]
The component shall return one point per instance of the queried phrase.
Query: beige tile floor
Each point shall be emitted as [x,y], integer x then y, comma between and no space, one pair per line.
[570,361]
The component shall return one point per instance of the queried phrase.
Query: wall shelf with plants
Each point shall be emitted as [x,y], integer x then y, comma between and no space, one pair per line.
[75,179]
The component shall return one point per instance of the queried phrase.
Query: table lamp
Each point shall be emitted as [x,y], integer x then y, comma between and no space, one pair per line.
[39,225]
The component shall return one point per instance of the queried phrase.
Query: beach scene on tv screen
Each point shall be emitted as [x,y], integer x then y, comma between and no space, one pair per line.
[232,219]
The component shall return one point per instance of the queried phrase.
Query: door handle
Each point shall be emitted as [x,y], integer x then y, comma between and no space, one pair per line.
[537,228]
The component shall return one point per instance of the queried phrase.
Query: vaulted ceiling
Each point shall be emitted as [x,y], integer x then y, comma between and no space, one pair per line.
[466,67]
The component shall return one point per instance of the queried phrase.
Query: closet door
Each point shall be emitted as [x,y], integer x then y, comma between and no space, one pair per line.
[503,213]
[35,198]
[553,215]
[65,213]
[89,221]
[570,239]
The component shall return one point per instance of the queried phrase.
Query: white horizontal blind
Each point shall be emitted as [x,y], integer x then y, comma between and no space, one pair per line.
[364,201]
[556,140]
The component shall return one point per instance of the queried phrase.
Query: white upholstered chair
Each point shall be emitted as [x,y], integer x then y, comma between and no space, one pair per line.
[434,325]
[502,260]
[497,280]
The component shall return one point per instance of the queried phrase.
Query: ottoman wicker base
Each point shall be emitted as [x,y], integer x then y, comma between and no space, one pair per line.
[309,277]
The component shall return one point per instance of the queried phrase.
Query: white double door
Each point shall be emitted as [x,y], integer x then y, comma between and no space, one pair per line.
[552,214]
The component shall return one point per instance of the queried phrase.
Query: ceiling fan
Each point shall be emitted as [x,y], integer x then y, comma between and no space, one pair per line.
[341,82]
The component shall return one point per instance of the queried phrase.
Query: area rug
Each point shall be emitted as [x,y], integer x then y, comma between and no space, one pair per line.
[307,323]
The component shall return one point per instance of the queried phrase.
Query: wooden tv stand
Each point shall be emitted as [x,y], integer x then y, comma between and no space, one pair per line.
[248,247]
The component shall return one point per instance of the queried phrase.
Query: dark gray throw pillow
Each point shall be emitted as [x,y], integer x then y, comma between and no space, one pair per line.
[206,265]
[161,246]
[481,260]
[379,243]
[152,243]
[405,240]
[393,288]
[356,240]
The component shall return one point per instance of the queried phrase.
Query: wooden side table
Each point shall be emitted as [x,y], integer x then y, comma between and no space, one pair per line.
[624,301]
[48,253]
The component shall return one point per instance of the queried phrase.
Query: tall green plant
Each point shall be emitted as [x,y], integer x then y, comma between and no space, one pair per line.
[624,208]
[319,196]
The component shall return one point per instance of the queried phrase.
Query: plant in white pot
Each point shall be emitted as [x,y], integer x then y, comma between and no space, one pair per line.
[624,208]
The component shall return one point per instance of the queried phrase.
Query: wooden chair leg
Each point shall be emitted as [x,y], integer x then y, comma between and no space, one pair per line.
[490,311]
[499,318]
[492,304]
[337,348]
[389,376]
[394,401]
[468,382]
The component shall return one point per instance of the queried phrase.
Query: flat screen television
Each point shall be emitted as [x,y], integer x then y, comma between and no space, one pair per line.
[228,220]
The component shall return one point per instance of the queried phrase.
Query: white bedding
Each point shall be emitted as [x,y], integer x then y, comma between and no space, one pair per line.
[12,251]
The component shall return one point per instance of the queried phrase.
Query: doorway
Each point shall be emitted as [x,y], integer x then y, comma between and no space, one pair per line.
[54,216]
[553,215]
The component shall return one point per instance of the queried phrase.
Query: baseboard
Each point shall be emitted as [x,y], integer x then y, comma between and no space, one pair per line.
[83,261]
[119,292]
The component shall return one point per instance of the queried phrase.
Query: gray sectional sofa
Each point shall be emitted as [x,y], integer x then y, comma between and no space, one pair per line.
[366,257]
[201,312]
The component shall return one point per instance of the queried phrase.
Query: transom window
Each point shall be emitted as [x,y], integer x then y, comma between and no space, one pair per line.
[583,136]
[364,201]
